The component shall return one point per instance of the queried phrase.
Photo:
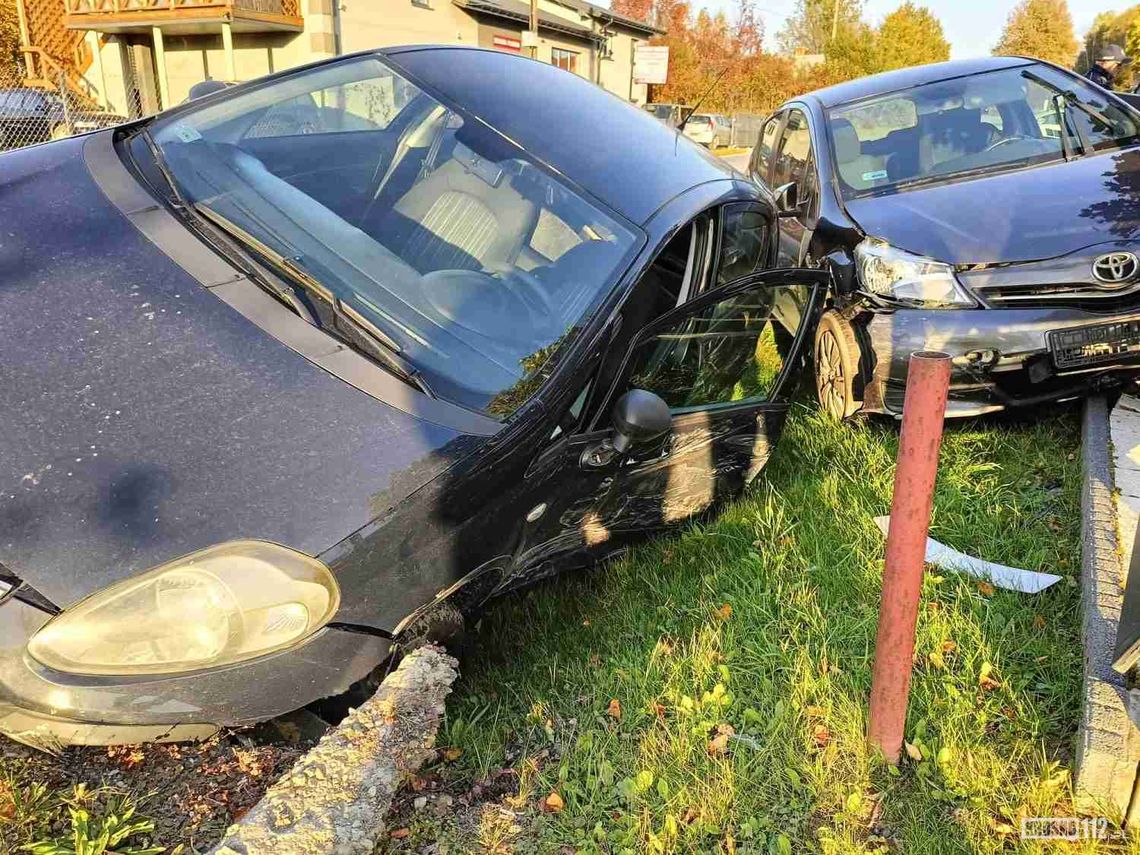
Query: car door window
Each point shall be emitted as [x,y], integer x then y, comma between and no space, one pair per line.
[745,238]
[730,351]
[795,150]
[765,146]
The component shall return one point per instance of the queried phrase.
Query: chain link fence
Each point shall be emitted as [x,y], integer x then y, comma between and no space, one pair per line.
[31,114]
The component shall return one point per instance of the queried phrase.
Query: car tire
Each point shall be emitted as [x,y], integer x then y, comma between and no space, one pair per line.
[836,357]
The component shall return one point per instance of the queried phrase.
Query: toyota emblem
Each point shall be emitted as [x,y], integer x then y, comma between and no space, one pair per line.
[1115,268]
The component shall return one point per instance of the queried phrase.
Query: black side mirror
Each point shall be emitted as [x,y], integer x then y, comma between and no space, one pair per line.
[788,200]
[639,416]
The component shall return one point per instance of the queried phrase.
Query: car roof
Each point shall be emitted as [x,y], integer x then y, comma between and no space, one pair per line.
[906,78]
[611,148]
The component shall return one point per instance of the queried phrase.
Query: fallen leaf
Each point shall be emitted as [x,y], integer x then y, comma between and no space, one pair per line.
[723,613]
[614,709]
[718,745]
[912,751]
[585,621]
[986,679]
[986,589]
[658,709]
[936,660]
[821,735]
[553,803]
[690,816]
[1038,622]
[452,754]
[933,606]
[949,646]
[400,833]
[817,712]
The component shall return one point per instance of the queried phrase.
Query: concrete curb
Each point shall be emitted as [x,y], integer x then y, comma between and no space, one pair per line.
[335,799]
[1108,745]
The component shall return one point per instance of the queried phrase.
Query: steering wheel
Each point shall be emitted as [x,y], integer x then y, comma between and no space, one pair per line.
[533,293]
[1006,141]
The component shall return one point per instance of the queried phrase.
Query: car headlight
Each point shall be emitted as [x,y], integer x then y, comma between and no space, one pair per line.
[218,606]
[911,280]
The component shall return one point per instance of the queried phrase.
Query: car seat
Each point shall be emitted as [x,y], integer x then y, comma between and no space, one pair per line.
[951,134]
[464,215]
[859,171]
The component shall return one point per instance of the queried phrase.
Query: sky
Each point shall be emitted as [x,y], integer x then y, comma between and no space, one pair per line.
[972,26]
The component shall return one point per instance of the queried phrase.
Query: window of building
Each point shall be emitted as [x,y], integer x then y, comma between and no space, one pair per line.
[565,59]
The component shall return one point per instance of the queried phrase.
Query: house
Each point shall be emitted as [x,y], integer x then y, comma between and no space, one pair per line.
[146,54]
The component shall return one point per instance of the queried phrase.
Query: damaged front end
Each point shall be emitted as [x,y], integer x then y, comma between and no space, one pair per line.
[1035,332]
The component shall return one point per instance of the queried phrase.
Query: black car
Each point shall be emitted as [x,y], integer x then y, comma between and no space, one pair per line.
[987,208]
[314,366]
[29,116]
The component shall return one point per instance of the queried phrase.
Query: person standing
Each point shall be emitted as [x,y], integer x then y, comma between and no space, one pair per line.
[1109,61]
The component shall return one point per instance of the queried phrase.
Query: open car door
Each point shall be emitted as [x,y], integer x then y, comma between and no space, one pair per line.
[724,364]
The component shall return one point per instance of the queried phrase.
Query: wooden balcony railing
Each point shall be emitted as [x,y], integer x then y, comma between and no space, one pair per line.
[244,14]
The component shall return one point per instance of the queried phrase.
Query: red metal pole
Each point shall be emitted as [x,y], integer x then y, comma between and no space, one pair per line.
[927,382]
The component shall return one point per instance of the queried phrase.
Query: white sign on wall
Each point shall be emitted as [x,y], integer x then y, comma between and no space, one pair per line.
[650,63]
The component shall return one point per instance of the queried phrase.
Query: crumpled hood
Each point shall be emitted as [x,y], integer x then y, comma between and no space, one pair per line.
[1018,216]
[143,418]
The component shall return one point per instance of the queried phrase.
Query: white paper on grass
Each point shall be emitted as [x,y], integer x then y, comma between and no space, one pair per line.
[1010,578]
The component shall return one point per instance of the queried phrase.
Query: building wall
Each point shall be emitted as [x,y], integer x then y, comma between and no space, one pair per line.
[617,72]
[547,42]
[367,24]
[364,24]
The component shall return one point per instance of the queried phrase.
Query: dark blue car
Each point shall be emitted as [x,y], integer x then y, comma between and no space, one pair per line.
[988,208]
[310,368]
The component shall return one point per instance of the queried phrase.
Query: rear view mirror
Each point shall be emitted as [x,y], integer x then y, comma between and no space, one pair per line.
[788,200]
[639,417]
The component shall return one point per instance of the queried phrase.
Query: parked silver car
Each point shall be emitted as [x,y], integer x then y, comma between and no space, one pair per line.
[709,129]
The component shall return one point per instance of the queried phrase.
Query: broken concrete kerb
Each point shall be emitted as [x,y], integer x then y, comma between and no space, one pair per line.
[335,799]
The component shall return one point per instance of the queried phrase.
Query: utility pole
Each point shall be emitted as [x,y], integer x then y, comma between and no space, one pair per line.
[534,28]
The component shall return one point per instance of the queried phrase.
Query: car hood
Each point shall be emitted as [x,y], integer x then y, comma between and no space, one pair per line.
[1027,215]
[144,418]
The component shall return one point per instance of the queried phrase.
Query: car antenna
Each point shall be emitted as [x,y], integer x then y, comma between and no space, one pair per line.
[700,100]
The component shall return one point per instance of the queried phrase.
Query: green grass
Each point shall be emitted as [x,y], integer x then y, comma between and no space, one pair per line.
[994,702]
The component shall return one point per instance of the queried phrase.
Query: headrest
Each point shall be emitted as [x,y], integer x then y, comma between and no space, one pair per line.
[847,145]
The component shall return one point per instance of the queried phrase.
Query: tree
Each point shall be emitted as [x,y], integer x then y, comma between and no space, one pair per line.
[910,35]
[9,40]
[1041,29]
[816,23]
[639,10]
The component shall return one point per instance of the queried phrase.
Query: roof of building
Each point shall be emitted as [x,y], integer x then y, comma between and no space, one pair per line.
[613,150]
[602,12]
[514,10]
[906,78]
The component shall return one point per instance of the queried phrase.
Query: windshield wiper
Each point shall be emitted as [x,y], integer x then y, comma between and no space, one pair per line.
[361,333]
[1064,110]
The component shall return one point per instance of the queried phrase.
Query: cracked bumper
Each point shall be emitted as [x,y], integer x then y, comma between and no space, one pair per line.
[1001,357]
[48,709]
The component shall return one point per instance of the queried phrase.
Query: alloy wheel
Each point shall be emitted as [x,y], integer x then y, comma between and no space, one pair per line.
[830,382]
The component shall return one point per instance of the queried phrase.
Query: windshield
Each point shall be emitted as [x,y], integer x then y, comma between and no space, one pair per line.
[473,262]
[986,122]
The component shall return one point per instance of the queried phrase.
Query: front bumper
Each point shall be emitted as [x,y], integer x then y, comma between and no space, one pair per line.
[1001,357]
[48,709]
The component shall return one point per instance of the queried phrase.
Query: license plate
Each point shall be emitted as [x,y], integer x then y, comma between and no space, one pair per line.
[1078,348]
